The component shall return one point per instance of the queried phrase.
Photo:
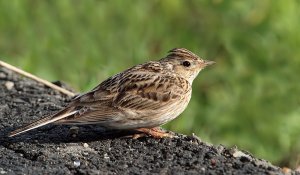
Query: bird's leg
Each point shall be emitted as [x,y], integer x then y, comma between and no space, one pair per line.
[154,132]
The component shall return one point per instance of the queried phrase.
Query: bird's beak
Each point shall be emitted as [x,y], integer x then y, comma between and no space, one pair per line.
[207,62]
[204,63]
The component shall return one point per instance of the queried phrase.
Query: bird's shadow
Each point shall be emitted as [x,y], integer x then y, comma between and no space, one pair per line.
[61,134]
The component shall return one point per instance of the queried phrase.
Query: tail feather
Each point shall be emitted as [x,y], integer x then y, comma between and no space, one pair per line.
[44,121]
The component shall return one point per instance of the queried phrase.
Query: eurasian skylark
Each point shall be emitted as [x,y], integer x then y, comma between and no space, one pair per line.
[141,98]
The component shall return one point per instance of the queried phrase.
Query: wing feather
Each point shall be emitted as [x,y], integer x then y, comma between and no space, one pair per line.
[154,92]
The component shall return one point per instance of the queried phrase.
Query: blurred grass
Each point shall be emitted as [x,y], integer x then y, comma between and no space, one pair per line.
[250,98]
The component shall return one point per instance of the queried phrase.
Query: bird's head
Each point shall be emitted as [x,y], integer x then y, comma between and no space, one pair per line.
[186,63]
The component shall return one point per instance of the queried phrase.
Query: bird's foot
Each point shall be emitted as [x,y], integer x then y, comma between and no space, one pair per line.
[154,132]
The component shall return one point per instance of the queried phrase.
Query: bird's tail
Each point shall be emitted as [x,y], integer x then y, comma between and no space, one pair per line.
[44,121]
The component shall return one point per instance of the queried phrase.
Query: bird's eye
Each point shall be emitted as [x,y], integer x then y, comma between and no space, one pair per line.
[186,64]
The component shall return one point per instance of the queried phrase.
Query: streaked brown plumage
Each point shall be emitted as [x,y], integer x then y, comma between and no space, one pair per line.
[142,97]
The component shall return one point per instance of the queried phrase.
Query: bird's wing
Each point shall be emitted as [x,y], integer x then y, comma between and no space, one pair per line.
[134,91]
[141,91]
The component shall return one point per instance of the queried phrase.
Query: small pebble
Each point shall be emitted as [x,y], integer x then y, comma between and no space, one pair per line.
[85,153]
[286,170]
[2,75]
[77,163]
[240,154]
[2,171]
[220,149]
[213,162]
[85,145]
[9,85]
[106,156]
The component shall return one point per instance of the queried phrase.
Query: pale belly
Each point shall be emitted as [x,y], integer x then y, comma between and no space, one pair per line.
[150,119]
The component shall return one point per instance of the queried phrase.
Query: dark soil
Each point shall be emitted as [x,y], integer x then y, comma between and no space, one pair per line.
[52,150]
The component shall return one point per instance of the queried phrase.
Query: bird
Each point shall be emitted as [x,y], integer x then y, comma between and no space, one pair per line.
[141,98]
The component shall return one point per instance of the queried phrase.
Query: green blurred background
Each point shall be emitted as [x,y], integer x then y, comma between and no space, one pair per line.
[250,98]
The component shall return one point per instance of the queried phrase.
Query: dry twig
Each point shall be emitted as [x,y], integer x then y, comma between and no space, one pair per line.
[45,82]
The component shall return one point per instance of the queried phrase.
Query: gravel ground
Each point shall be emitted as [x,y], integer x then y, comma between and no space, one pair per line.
[53,149]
